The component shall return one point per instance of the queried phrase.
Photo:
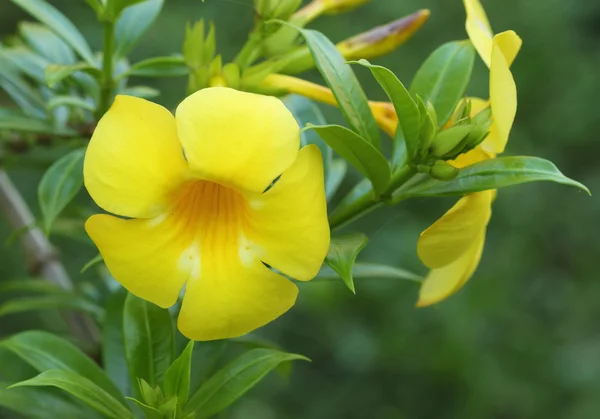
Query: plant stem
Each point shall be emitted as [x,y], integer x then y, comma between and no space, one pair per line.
[107,81]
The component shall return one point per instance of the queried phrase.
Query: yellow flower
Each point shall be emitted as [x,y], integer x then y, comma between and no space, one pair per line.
[452,246]
[211,199]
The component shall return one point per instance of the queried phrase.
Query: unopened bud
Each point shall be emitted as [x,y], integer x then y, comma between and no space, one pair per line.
[428,128]
[448,139]
[442,170]
[276,9]
[383,39]
[199,48]
[339,6]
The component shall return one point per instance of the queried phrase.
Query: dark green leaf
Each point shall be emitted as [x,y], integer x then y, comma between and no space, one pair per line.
[81,388]
[95,260]
[50,302]
[158,67]
[177,376]
[46,43]
[370,271]
[409,120]
[45,351]
[149,345]
[235,379]
[342,254]
[49,15]
[113,347]
[205,358]
[60,184]
[133,23]
[55,73]
[114,8]
[444,76]
[358,152]
[343,83]
[41,286]
[489,174]
[336,175]
[71,101]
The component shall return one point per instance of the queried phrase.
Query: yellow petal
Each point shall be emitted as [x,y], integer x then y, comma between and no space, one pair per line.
[477,105]
[471,157]
[134,159]
[450,237]
[288,223]
[510,44]
[237,139]
[503,99]
[443,282]
[145,256]
[479,30]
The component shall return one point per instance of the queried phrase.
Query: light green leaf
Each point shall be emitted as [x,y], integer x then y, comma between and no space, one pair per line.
[149,341]
[336,175]
[29,124]
[148,411]
[358,152]
[28,99]
[367,270]
[345,86]
[50,302]
[46,43]
[409,120]
[177,376]
[305,112]
[173,66]
[81,388]
[444,76]
[55,73]
[45,351]
[55,20]
[489,174]
[71,101]
[60,184]
[133,23]
[234,380]
[342,254]
[41,286]
[35,403]
[113,347]
[144,92]
[27,61]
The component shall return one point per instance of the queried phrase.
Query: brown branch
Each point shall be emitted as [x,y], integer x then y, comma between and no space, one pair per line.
[42,258]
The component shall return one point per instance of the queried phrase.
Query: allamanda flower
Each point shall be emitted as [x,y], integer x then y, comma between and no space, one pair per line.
[212,199]
[453,245]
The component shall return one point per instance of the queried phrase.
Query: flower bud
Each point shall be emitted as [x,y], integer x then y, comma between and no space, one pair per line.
[442,170]
[276,9]
[448,139]
[383,39]
[332,7]
[428,128]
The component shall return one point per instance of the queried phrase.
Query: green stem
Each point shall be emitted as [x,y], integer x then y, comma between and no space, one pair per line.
[107,81]
[250,51]
[365,201]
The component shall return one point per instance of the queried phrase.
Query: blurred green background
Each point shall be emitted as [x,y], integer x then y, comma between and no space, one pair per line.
[521,340]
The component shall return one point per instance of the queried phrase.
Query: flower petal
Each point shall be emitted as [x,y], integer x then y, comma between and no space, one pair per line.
[237,139]
[288,223]
[479,30]
[503,97]
[145,256]
[450,237]
[443,282]
[134,159]
[231,298]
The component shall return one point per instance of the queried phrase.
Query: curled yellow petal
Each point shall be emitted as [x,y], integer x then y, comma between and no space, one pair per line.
[479,30]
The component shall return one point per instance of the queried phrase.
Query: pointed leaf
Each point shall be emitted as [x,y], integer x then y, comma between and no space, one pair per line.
[55,73]
[342,254]
[133,23]
[177,377]
[71,101]
[489,174]
[42,286]
[27,61]
[337,172]
[158,67]
[81,388]
[46,43]
[234,380]
[29,124]
[370,271]
[148,411]
[60,184]
[64,300]
[113,347]
[21,92]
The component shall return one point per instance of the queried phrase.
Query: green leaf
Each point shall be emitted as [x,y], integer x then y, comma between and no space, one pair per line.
[30,285]
[29,124]
[45,351]
[27,61]
[342,254]
[81,388]
[114,8]
[409,119]
[337,171]
[46,43]
[177,376]
[173,66]
[345,86]
[235,379]
[94,261]
[113,347]
[60,184]
[71,101]
[133,23]
[358,152]
[305,112]
[370,271]
[148,411]
[40,404]
[444,76]
[489,174]
[28,99]
[144,92]
[49,15]
[149,341]
[49,302]
[55,73]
